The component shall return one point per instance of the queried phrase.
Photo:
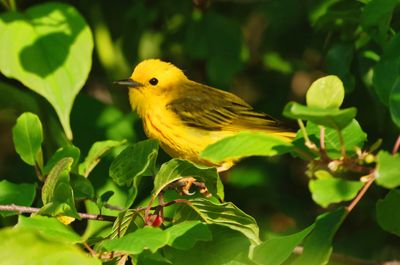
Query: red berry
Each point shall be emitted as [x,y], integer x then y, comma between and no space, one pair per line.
[154,220]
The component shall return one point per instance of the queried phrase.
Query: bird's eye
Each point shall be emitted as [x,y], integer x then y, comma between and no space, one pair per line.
[153,81]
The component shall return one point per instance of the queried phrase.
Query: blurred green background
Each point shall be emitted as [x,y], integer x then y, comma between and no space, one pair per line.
[268,52]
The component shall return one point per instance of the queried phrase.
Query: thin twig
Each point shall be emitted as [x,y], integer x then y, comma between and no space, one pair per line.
[371,178]
[91,251]
[161,201]
[396,146]
[148,208]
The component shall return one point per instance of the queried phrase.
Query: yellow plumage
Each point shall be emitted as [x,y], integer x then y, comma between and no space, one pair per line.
[186,116]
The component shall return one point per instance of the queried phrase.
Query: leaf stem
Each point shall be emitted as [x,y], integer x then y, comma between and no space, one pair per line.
[322,138]
[322,149]
[356,200]
[38,172]
[308,143]
[396,146]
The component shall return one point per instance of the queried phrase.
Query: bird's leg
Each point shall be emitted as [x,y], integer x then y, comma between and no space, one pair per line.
[203,189]
[183,186]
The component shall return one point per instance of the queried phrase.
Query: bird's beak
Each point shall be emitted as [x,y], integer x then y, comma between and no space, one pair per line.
[128,82]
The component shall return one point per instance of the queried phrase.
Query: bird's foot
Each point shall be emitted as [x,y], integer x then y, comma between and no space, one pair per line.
[183,186]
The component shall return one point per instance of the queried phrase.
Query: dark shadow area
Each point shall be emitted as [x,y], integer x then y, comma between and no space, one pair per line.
[50,50]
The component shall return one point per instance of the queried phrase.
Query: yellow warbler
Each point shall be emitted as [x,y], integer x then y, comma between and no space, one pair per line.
[186,116]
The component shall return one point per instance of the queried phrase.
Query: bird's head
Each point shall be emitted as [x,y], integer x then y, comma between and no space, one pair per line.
[154,75]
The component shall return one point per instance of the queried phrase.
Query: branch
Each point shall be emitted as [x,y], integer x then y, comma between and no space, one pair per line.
[97,217]
[25,209]
[371,178]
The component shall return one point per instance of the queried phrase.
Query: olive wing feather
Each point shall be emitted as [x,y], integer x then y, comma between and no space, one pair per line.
[212,109]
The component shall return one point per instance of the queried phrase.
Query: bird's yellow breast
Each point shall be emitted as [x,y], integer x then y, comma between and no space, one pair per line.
[176,138]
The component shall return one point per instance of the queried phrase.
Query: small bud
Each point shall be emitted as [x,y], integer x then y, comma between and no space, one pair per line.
[369,159]
[334,165]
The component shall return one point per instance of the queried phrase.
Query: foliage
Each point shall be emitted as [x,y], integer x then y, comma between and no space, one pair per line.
[98,193]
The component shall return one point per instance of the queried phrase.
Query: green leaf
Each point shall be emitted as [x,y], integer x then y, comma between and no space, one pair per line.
[176,169]
[318,245]
[386,71]
[353,136]
[388,212]
[148,258]
[135,161]
[332,118]
[96,152]
[63,152]
[184,235]
[57,194]
[245,144]
[388,170]
[326,93]
[104,198]
[49,227]
[227,247]
[181,236]
[338,62]
[376,11]
[333,190]
[148,237]
[132,164]
[224,214]
[28,137]
[26,246]
[125,221]
[59,173]
[19,194]
[394,103]
[51,53]
[276,250]
[82,187]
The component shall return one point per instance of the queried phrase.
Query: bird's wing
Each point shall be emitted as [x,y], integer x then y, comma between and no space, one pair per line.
[211,109]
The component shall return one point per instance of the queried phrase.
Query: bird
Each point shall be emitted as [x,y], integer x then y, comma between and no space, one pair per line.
[187,116]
